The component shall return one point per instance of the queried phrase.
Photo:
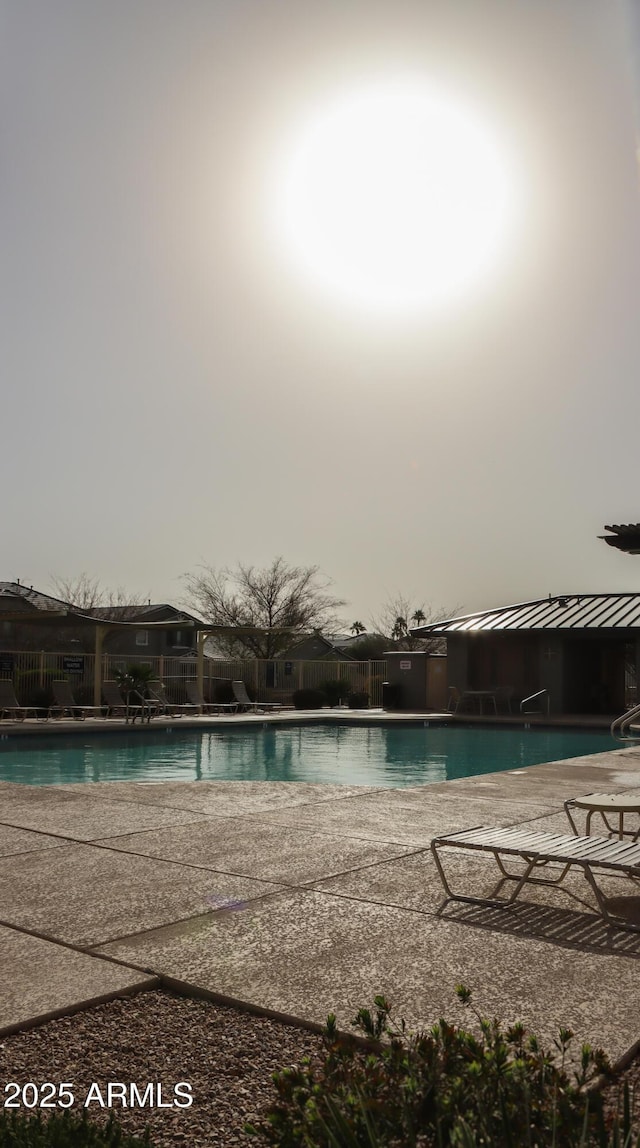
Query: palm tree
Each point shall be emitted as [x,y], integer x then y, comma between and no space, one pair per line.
[133,680]
[399,629]
[358,628]
[418,616]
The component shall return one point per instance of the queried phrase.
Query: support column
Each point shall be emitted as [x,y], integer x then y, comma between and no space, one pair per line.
[202,637]
[97,665]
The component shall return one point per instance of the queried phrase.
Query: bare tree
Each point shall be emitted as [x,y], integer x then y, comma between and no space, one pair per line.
[280,603]
[400,614]
[86,593]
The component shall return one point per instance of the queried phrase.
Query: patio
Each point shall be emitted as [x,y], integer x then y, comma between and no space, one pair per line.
[300,899]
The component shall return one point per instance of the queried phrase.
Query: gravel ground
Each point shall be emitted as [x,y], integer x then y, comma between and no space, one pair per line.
[227,1057]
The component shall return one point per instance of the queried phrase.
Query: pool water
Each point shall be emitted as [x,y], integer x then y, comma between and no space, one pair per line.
[393,756]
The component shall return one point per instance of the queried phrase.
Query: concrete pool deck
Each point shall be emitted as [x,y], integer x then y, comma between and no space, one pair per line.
[302,899]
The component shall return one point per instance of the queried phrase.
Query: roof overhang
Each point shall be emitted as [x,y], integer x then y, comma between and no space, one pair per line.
[568,612]
[49,617]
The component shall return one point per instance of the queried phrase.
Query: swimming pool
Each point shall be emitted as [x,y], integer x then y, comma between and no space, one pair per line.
[393,756]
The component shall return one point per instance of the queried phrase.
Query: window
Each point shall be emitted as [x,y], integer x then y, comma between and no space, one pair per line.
[142,637]
[180,639]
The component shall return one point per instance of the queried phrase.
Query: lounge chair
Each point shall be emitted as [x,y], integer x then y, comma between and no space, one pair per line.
[115,702]
[537,849]
[158,696]
[10,706]
[243,699]
[196,699]
[65,703]
[453,703]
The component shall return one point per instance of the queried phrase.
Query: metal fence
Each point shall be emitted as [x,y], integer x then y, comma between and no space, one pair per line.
[33,670]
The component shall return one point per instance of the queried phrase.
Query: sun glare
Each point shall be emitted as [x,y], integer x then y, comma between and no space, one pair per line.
[395,198]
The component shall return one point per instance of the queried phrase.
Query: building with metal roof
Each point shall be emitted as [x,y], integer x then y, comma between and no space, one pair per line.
[581,649]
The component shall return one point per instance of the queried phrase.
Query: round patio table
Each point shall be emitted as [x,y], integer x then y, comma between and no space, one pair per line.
[607,805]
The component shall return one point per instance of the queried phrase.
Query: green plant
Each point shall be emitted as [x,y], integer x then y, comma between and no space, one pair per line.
[64,1130]
[222,691]
[358,700]
[444,1088]
[83,694]
[309,699]
[33,687]
[135,679]
[335,690]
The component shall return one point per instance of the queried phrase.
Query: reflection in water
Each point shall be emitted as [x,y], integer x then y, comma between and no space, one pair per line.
[338,754]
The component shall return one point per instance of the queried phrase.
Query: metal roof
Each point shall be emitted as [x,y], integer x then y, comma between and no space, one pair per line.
[561,612]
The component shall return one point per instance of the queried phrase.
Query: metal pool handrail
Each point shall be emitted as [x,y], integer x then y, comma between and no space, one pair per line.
[620,724]
[532,698]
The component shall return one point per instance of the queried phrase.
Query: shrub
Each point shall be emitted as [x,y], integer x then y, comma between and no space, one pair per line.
[444,1088]
[83,694]
[308,699]
[359,701]
[33,688]
[63,1130]
[335,690]
[222,691]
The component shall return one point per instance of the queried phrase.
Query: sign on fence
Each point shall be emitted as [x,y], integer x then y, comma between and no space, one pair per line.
[7,664]
[73,664]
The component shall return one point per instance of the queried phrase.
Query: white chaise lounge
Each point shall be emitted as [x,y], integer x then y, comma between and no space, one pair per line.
[243,699]
[536,850]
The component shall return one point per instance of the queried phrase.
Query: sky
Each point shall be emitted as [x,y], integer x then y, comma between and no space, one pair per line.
[179,387]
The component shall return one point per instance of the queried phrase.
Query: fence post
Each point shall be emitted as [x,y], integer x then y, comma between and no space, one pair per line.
[202,635]
[161,667]
[97,667]
[41,669]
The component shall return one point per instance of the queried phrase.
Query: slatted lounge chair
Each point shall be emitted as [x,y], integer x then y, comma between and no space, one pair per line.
[10,706]
[453,702]
[196,699]
[243,699]
[158,696]
[116,704]
[64,703]
[536,850]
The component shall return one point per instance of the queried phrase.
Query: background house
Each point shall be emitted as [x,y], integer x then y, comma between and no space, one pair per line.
[316,648]
[32,620]
[583,649]
[173,643]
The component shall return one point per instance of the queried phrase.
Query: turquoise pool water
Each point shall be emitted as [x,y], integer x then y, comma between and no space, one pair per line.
[339,754]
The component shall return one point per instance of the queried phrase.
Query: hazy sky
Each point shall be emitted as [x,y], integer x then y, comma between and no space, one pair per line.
[176,390]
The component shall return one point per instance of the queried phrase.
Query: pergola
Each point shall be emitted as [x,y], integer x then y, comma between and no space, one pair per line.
[104,626]
[625,538]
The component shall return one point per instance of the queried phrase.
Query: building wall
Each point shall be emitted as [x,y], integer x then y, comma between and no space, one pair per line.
[62,637]
[458,661]
[437,690]
[583,671]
